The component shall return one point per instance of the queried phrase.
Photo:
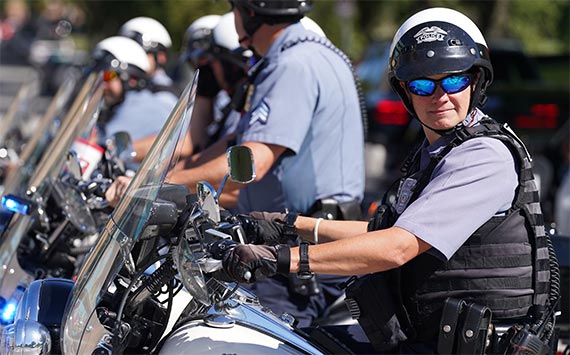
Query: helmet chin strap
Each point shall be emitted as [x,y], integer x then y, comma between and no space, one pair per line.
[244,38]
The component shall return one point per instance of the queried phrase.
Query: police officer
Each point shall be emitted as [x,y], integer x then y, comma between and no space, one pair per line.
[466,223]
[212,46]
[223,65]
[303,123]
[156,41]
[129,105]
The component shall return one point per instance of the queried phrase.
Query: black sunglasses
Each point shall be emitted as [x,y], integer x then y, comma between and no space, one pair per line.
[451,84]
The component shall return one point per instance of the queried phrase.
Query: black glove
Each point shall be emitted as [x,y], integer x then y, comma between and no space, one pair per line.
[271,229]
[218,248]
[250,263]
[207,83]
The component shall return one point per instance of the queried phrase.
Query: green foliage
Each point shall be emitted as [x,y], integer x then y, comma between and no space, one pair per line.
[541,25]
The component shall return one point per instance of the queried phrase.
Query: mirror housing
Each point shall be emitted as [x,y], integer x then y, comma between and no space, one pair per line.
[208,198]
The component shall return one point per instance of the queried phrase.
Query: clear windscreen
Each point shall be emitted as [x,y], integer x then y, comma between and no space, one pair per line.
[19,175]
[125,227]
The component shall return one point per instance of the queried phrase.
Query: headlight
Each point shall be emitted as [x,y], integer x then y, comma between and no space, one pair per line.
[75,208]
[186,261]
[26,337]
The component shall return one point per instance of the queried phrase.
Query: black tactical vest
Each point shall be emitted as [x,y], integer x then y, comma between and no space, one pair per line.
[504,265]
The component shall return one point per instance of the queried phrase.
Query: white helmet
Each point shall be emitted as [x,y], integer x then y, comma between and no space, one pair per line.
[439,41]
[311,25]
[148,32]
[197,38]
[224,34]
[225,42]
[121,54]
[202,27]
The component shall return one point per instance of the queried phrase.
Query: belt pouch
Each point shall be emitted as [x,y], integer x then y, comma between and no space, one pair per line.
[452,309]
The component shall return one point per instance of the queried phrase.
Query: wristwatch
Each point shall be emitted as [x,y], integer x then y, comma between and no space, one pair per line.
[304,269]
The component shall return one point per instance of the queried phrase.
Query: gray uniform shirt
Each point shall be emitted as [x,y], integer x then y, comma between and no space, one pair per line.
[141,114]
[304,100]
[471,184]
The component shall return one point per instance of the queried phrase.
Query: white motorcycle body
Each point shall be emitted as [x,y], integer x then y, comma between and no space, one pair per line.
[245,327]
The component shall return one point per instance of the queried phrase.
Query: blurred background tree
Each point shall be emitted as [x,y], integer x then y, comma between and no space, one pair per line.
[541,26]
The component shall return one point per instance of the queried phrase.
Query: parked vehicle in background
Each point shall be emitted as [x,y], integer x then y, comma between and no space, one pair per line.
[536,109]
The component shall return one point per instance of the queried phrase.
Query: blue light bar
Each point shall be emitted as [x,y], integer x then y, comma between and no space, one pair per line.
[16,204]
[8,312]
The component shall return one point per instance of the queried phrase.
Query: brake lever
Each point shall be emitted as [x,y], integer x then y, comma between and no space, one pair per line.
[209,265]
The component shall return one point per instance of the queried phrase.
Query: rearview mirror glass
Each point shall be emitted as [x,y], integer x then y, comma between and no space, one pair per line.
[121,146]
[240,163]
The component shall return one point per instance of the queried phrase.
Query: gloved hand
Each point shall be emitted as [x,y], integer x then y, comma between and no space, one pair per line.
[207,83]
[251,263]
[266,228]
[269,216]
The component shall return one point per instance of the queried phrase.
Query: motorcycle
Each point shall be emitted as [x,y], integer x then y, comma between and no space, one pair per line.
[152,282]
[28,239]
[17,170]
[11,137]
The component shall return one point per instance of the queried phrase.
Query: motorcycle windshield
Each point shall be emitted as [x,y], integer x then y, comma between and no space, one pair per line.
[48,169]
[19,176]
[81,329]
[16,110]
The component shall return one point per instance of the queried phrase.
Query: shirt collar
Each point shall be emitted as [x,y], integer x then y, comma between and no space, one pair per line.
[291,32]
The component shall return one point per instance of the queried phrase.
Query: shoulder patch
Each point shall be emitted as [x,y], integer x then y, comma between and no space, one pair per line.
[261,113]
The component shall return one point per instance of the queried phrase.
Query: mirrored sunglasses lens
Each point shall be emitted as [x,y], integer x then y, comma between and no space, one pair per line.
[421,87]
[109,75]
[455,83]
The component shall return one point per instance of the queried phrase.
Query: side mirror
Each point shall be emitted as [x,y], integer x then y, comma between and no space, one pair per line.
[73,165]
[120,145]
[241,165]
